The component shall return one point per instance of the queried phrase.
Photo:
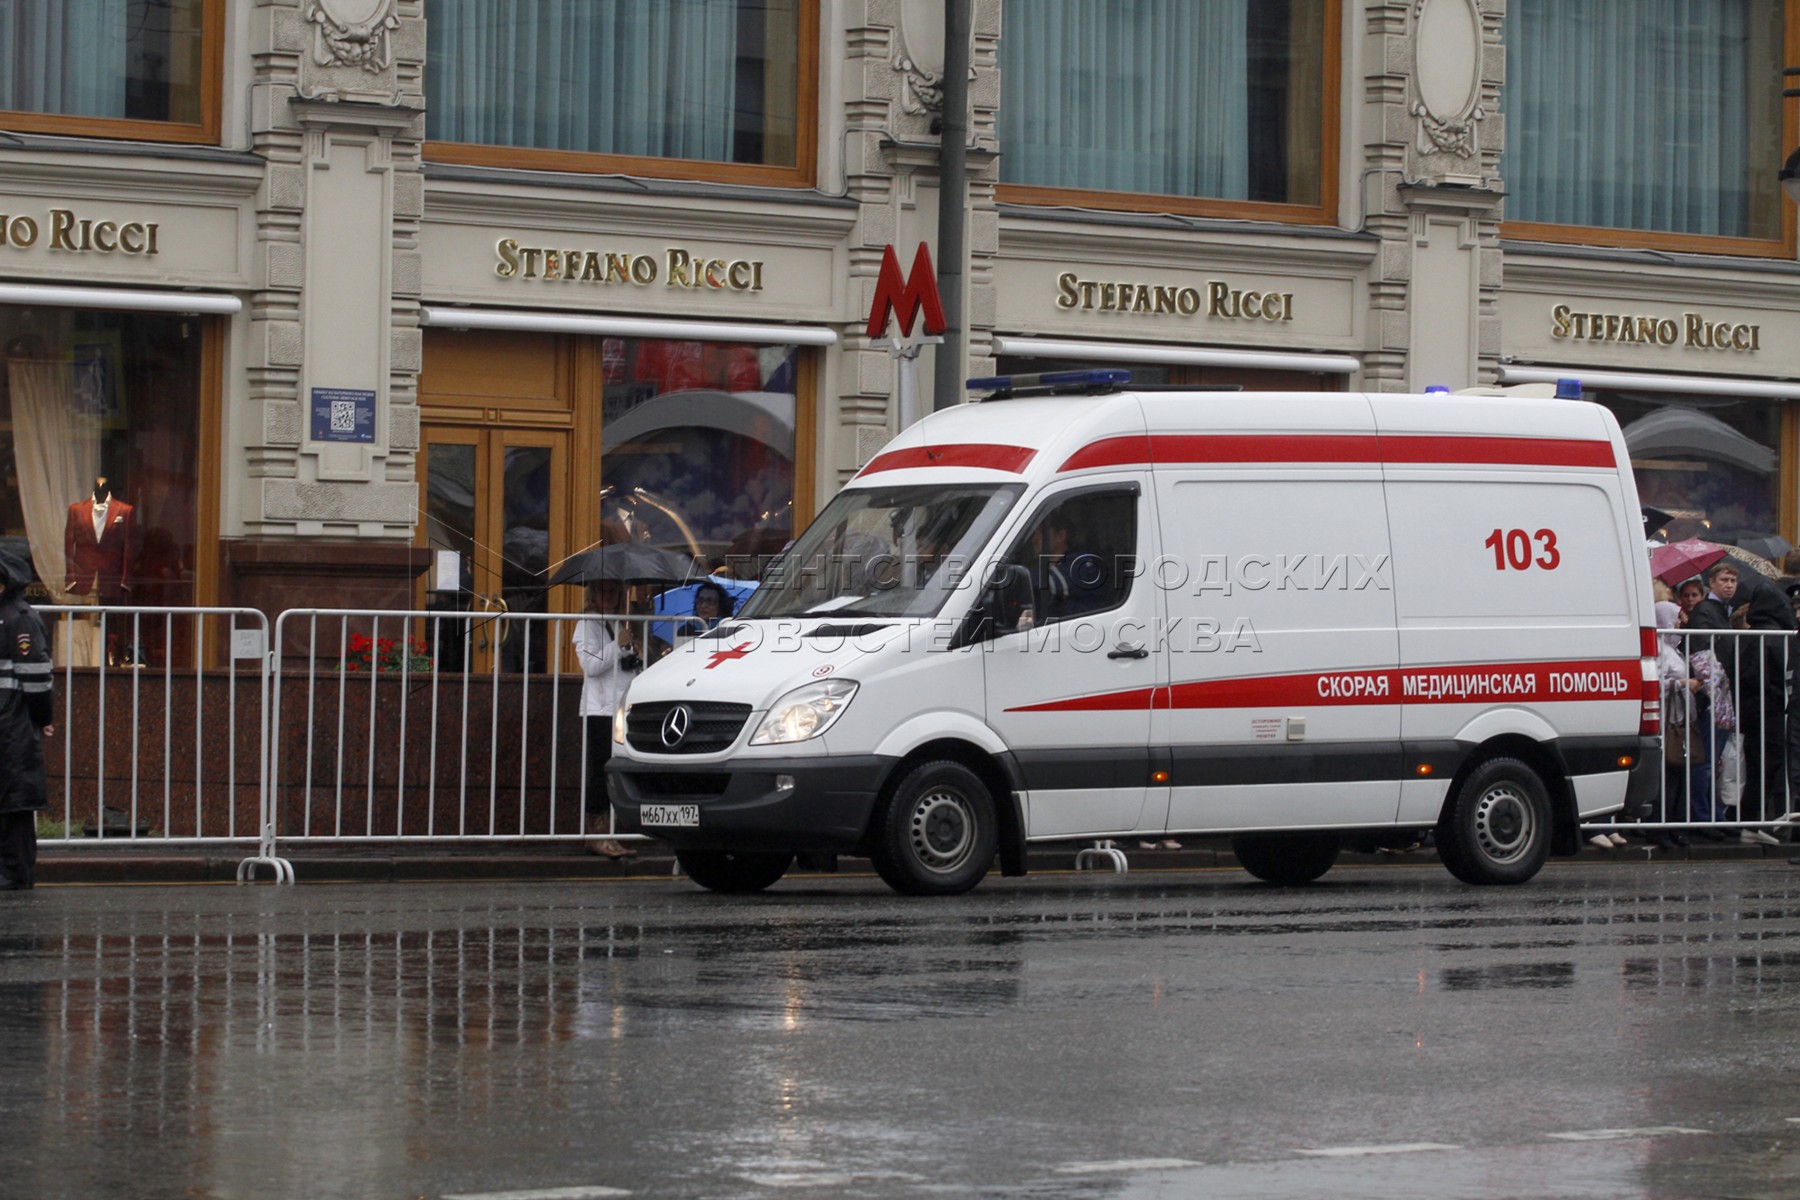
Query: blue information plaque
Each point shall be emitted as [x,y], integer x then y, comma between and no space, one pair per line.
[343,415]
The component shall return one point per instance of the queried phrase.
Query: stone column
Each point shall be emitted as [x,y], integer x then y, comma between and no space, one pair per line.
[327,511]
[892,106]
[1430,190]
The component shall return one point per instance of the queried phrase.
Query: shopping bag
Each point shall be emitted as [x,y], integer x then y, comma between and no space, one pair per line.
[1731,771]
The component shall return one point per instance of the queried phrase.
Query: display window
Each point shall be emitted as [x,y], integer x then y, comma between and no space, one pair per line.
[100,471]
[1712,462]
[137,69]
[1656,123]
[1247,379]
[688,89]
[1225,108]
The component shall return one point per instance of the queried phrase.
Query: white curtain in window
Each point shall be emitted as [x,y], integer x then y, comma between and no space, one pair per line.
[640,77]
[57,452]
[1130,96]
[1632,114]
[64,56]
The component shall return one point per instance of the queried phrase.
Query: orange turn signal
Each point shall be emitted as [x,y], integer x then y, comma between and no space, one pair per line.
[1625,760]
[1424,768]
[1159,777]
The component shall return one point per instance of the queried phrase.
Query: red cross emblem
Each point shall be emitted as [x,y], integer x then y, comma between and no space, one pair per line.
[737,651]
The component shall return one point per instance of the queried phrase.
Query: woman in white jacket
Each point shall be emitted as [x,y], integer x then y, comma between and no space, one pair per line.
[607,652]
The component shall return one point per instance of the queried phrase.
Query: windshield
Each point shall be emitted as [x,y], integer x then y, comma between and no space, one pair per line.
[884,552]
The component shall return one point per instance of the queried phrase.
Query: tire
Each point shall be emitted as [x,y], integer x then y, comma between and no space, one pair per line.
[732,872]
[937,832]
[1497,827]
[1286,859]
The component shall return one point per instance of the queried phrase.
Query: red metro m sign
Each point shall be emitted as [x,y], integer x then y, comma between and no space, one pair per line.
[903,297]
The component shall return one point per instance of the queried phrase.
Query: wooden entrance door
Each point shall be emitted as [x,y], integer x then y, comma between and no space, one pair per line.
[498,499]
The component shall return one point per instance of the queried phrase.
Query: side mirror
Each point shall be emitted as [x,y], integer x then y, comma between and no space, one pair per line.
[1010,599]
[1008,595]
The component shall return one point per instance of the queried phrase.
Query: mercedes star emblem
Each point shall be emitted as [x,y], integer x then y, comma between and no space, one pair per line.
[675,725]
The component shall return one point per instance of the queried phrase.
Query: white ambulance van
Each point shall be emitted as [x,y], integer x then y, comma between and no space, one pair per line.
[1079,611]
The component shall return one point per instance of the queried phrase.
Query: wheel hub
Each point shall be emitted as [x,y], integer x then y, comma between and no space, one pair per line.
[942,831]
[1504,824]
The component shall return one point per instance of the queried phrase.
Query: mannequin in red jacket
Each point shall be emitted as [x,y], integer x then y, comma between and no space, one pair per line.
[99,546]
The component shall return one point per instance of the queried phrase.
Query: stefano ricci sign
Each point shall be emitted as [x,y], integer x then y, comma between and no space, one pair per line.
[674,267]
[1215,299]
[1694,331]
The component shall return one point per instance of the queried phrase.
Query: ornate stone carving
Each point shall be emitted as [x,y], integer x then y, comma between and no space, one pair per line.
[921,91]
[353,33]
[1447,72]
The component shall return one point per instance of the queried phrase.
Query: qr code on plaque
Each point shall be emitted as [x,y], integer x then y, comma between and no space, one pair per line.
[343,416]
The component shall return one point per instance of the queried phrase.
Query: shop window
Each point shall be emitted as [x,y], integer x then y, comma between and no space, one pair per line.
[1655,123]
[87,394]
[698,449]
[1247,379]
[625,85]
[1226,107]
[1711,461]
[140,69]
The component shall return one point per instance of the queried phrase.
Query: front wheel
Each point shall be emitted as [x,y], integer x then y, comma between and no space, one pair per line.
[1497,827]
[1286,859]
[937,833]
[731,872]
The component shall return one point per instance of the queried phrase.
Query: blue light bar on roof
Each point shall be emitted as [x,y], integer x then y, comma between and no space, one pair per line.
[1099,378]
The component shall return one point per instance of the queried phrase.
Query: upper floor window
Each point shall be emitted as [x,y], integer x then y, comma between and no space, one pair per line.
[140,69]
[586,85]
[1222,107]
[1651,123]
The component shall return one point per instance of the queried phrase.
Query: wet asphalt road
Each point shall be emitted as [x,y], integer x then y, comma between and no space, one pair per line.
[1607,1031]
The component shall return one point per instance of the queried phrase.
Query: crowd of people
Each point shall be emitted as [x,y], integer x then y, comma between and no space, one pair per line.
[1730,706]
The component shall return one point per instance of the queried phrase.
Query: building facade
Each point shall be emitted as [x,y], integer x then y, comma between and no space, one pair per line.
[396,303]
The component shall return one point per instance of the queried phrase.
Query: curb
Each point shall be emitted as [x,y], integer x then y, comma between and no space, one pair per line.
[359,865]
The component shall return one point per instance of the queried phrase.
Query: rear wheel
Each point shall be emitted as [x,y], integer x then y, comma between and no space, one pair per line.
[937,833]
[1287,859]
[1497,828]
[731,871]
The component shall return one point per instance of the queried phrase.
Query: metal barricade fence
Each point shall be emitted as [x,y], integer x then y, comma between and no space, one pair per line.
[1730,739]
[433,726]
[161,730]
[193,726]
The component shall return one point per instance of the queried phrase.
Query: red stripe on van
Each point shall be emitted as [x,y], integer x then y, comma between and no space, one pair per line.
[1498,451]
[993,458]
[1183,448]
[1136,698]
[1111,452]
[1527,683]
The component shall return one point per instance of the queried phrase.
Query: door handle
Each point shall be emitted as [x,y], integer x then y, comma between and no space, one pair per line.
[1135,652]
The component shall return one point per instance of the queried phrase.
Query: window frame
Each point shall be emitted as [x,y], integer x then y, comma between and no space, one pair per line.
[205,133]
[1784,246]
[802,174]
[1325,212]
[1035,519]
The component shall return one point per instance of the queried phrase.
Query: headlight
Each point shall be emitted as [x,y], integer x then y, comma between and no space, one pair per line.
[619,715]
[805,712]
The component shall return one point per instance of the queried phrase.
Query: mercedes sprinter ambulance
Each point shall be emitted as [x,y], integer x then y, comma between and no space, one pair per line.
[1077,611]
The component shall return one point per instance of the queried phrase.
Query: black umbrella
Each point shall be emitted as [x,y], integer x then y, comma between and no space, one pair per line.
[624,562]
[1771,546]
[1655,519]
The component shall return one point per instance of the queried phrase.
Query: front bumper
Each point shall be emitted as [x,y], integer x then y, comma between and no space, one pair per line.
[741,806]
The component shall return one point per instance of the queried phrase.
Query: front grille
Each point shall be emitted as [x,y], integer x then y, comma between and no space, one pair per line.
[711,726]
[688,783]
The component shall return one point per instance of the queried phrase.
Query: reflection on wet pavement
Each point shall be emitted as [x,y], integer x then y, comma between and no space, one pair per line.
[1082,1036]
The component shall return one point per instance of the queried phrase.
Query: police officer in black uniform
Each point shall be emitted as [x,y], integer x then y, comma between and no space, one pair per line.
[26,706]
